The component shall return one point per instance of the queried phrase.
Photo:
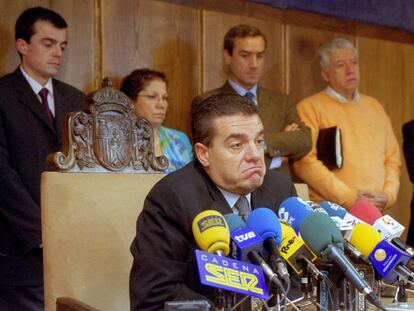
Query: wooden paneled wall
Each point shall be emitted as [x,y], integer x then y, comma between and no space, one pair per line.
[183,38]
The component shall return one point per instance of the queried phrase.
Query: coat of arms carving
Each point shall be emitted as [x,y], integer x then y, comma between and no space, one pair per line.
[108,138]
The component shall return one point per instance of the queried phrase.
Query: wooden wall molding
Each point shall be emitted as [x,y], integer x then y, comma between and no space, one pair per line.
[300,18]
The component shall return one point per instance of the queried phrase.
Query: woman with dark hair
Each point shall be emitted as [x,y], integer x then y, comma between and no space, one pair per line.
[147,90]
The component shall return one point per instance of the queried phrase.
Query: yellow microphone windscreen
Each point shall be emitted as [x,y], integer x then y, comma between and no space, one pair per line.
[211,232]
[364,238]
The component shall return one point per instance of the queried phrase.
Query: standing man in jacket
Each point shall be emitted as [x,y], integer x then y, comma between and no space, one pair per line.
[286,136]
[32,106]
[371,155]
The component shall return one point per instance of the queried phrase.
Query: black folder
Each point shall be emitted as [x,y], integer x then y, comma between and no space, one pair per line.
[329,147]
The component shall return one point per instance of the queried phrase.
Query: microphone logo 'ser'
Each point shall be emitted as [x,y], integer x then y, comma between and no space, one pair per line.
[284,215]
[210,221]
[380,254]
[233,275]
[285,248]
[245,236]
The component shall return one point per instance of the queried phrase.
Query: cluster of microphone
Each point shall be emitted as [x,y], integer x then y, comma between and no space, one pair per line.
[300,234]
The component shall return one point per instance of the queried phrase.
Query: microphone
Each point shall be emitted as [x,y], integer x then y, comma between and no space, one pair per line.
[389,228]
[365,211]
[387,260]
[211,232]
[247,245]
[316,207]
[265,222]
[354,253]
[212,235]
[344,220]
[293,210]
[329,243]
[297,254]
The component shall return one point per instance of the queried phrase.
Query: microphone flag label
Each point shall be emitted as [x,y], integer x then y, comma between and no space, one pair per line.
[348,222]
[293,247]
[388,227]
[385,257]
[243,241]
[233,275]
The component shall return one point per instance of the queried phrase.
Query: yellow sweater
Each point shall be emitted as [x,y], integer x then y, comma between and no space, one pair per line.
[371,155]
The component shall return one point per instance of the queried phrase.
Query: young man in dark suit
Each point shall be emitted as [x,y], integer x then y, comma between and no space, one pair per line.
[32,106]
[287,137]
[228,138]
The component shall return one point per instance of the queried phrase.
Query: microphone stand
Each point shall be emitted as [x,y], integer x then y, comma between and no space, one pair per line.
[307,298]
[400,301]
[400,294]
[220,299]
[345,302]
[277,292]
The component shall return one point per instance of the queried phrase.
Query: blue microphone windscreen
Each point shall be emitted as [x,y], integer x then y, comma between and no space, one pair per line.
[333,209]
[293,210]
[265,222]
[319,231]
[234,222]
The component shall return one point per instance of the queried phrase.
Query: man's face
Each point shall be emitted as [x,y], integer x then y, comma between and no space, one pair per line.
[234,160]
[42,56]
[342,74]
[246,62]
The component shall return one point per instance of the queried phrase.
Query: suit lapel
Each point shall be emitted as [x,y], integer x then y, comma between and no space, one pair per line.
[227,89]
[219,202]
[264,101]
[28,98]
[60,111]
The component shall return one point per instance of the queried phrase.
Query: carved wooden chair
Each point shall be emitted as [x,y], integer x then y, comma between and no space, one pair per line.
[90,206]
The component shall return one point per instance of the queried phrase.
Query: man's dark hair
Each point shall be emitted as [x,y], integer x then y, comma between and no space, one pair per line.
[204,113]
[241,31]
[24,28]
[135,82]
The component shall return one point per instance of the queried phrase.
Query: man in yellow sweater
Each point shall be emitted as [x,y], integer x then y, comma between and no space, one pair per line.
[371,156]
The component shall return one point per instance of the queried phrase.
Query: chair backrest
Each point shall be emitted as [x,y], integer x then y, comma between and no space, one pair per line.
[302,190]
[88,222]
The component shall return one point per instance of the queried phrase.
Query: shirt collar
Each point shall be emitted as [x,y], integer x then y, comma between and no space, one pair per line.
[241,90]
[36,86]
[232,198]
[334,94]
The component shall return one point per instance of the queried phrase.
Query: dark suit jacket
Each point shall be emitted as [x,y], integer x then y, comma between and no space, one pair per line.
[408,147]
[164,265]
[276,111]
[25,141]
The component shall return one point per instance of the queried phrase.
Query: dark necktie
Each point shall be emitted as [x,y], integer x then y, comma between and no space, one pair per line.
[243,207]
[250,96]
[43,95]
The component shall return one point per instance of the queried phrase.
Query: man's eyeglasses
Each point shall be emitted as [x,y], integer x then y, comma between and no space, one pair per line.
[155,98]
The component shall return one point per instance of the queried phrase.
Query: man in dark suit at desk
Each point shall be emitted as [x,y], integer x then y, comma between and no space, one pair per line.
[287,137]
[228,138]
[32,106]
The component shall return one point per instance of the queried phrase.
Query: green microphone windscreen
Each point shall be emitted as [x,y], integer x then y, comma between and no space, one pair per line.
[319,231]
